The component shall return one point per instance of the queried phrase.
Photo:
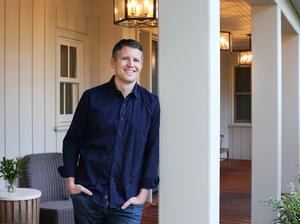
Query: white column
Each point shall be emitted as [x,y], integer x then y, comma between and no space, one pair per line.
[290,116]
[189,87]
[266,110]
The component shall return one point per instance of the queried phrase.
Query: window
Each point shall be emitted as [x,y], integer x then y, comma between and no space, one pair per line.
[242,94]
[69,71]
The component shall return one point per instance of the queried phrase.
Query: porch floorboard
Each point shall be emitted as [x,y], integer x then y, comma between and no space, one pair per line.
[235,195]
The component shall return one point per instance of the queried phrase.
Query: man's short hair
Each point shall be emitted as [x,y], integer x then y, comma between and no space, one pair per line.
[126,42]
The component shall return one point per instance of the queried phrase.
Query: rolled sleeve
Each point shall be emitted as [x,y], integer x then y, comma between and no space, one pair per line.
[73,138]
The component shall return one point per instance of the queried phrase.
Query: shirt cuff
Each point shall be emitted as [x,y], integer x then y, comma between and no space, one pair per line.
[65,172]
[149,183]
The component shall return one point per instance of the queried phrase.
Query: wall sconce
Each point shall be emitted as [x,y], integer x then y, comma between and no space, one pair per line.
[245,57]
[225,41]
[136,13]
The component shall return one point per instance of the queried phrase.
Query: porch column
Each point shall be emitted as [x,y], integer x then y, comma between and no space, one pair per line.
[266,110]
[189,87]
[290,103]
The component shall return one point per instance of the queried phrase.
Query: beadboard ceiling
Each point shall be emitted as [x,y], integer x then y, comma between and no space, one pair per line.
[236,18]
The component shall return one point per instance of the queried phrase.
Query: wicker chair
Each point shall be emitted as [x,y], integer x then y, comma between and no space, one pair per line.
[41,173]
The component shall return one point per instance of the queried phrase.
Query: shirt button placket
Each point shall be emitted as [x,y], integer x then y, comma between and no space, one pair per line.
[114,172]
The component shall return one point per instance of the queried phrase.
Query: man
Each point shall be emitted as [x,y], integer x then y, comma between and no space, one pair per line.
[110,151]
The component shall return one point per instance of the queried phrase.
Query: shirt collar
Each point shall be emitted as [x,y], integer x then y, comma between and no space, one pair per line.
[134,93]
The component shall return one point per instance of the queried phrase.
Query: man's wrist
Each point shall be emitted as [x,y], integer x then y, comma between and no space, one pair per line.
[143,193]
[70,181]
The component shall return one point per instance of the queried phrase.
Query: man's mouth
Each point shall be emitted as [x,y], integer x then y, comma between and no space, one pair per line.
[128,70]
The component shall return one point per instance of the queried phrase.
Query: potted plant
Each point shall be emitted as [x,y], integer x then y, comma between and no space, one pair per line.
[10,170]
[287,206]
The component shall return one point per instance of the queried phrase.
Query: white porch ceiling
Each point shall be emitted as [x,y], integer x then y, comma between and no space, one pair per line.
[236,18]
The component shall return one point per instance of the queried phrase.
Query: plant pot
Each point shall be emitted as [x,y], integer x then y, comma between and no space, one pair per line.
[11,185]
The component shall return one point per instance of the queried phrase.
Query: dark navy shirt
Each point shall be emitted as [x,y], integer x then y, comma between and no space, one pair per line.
[112,145]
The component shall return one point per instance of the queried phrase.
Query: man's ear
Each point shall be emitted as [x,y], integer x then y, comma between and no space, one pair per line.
[112,62]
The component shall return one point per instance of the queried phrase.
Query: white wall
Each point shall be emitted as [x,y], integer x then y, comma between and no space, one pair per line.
[27,72]
[29,79]
[236,136]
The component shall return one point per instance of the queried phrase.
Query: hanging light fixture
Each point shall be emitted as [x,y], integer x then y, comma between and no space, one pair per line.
[136,13]
[245,57]
[225,41]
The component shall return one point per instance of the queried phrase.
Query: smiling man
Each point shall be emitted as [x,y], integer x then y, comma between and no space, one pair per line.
[110,151]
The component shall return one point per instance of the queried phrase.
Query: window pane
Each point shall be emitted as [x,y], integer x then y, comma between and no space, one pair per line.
[243,108]
[73,62]
[61,97]
[242,79]
[63,61]
[71,97]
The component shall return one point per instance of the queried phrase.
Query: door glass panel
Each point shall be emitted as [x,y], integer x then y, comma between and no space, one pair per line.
[63,61]
[73,62]
[61,97]
[71,97]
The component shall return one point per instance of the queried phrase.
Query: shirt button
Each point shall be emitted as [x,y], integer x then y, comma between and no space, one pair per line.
[122,118]
[112,179]
[117,149]
[119,133]
[105,196]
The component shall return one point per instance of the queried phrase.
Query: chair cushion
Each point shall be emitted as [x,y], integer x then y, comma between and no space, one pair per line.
[58,212]
[55,205]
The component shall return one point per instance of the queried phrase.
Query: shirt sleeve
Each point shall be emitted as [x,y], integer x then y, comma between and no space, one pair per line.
[73,138]
[150,177]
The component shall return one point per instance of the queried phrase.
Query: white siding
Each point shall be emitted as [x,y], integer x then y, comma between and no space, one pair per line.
[93,46]
[27,72]
[50,77]
[2,78]
[26,14]
[12,102]
[236,137]
[38,94]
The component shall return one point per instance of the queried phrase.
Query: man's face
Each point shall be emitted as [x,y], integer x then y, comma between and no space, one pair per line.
[128,64]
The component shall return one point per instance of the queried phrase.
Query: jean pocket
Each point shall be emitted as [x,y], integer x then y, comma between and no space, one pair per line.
[136,205]
[75,195]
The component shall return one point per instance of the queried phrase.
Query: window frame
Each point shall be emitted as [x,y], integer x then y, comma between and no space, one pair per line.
[233,98]
[73,39]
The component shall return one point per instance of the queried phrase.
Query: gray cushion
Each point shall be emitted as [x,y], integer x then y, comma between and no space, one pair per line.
[66,204]
[58,212]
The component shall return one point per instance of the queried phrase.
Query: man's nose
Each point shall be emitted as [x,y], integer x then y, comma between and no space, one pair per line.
[130,62]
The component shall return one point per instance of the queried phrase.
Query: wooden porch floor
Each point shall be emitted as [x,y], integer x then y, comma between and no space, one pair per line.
[235,197]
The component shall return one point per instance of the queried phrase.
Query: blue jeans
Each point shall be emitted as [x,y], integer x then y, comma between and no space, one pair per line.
[87,211]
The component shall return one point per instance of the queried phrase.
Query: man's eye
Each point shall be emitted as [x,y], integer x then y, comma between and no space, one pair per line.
[136,60]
